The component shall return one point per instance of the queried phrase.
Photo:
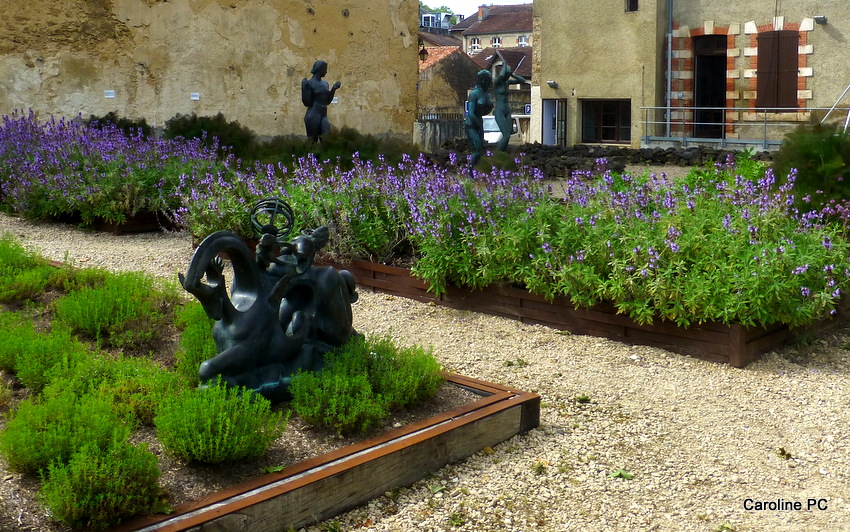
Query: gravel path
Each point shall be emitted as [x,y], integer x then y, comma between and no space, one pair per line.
[706,443]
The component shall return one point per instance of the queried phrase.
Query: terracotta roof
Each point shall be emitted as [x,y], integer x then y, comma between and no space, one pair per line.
[437,54]
[499,19]
[435,39]
[518,57]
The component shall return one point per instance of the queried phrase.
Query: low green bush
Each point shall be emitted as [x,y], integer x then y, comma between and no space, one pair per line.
[23,274]
[342,402]
[362,382]
[41,357]
[126,311]
[136,386]
[217,424]
[97,488]
[196,340]
[49,430]
[13,326]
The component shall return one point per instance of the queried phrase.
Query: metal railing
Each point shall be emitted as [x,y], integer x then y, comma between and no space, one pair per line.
[756,127]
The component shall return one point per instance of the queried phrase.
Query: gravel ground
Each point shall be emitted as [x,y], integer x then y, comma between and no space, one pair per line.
[706,443]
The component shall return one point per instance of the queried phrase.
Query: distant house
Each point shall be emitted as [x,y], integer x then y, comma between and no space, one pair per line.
[445,77]
[701,72]
[434,22]
[496,27]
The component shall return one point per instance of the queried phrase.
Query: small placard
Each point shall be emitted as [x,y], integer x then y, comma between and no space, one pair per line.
[528,108]
[195,96]
[109,93]
[335,100]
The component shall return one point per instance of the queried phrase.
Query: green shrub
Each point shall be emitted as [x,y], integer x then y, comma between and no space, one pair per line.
[125,311]
[402,376]
[96,488]
[25,285]
[15,330]
[821,155]
[217,424]
[133,385]
[14,258]
[362,382]
[196,340]
[129,126]
[345,403]
[52,429]
[68,278]
[23,274]
[43,356]
[212,129]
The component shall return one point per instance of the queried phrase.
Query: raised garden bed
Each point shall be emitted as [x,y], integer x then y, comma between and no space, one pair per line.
[735,345]
[325,486]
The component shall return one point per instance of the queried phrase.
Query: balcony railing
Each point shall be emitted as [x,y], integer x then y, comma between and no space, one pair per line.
[743,127]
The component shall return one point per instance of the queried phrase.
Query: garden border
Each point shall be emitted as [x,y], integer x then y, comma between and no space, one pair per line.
[322,487]
[735,345]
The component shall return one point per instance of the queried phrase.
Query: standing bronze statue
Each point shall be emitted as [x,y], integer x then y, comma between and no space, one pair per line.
[503,107]
[316,96]
[478,105]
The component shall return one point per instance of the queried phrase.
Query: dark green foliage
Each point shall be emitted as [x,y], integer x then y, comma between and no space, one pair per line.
[362,381]
[97,488]
[232,136]
[821,155]
[129,126]
[125,311]
[51,429]
[217,424]
[196,340]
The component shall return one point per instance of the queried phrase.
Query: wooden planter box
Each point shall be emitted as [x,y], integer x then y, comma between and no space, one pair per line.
[325,486]
[732,344]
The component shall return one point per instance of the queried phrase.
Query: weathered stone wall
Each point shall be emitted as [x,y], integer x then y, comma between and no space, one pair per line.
[244,58]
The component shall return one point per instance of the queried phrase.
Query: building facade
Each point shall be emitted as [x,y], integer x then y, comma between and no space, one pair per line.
[655,72]
[496,27]
[154,59]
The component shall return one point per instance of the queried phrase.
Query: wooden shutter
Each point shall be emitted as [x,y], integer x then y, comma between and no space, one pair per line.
[776,76]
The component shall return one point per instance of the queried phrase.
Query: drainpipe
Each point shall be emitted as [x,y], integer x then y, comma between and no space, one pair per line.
[669,62]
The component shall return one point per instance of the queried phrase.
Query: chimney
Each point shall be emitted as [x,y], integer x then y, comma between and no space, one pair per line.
[483,12]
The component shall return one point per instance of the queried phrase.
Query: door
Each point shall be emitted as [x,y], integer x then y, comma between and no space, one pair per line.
[554,122]
[709,85]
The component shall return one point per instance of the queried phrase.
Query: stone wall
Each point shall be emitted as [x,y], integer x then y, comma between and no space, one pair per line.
[557,162]
[243,58]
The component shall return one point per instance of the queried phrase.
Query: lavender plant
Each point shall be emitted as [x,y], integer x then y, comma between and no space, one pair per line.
[59,168]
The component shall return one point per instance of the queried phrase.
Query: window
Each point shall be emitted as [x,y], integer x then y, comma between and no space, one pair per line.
[496,42]
[522,40]
[606,121]
[776,70]
[474,44]
[631,6]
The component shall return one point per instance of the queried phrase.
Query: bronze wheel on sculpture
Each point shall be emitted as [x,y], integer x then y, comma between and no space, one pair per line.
[266,215]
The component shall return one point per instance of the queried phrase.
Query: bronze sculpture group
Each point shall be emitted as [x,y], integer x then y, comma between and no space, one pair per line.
[282,312]
[480,104]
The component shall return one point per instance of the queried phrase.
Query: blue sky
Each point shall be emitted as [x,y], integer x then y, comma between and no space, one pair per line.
[468,7]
